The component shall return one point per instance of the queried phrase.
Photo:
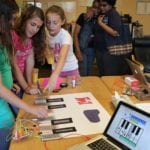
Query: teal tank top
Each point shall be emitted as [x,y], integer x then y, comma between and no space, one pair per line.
[6,115]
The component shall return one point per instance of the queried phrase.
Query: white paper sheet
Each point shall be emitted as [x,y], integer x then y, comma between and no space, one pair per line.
[76,106]
[144,106]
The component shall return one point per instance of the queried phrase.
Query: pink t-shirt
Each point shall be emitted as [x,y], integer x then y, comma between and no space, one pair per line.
[22,50]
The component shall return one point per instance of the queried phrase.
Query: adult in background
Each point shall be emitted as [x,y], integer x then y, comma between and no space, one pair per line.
[83,39]
[109,21]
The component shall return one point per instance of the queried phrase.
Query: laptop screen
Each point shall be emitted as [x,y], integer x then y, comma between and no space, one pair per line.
[130,127]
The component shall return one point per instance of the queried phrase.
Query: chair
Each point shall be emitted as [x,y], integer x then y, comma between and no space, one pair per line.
[142,52]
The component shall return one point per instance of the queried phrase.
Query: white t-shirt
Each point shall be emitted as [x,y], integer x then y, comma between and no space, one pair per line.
[56,42]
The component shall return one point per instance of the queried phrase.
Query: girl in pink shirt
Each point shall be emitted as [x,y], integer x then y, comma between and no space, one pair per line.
[29,41]
[22,51]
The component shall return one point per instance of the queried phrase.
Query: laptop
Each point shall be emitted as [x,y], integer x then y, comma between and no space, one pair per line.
[128,129]
[138,73]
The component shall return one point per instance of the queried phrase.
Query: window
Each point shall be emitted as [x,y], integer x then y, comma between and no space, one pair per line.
[143,7]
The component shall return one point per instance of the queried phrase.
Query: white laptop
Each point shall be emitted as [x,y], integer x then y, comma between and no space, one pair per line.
[128,129]
[138,73]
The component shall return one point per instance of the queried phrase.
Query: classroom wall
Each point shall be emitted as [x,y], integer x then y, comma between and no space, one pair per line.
[129,7]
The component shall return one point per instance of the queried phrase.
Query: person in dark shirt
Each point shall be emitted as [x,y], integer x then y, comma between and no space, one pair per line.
[83,39]
[109,21]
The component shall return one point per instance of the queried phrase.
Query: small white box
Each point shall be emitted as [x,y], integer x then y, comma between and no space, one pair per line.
[116,98]
[131,81]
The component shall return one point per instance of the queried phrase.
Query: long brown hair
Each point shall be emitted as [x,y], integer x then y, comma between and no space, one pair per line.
[7,9]
[38,40]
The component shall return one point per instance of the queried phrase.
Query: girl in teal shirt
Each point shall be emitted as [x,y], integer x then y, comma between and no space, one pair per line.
[7,118]
[8,11]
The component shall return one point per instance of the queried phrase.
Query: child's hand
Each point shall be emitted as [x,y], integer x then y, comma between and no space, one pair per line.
[15,88]
[31,90]
[51,83]
[39,111]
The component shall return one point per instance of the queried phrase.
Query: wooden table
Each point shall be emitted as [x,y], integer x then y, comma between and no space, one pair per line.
[88,84]
[116,83]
